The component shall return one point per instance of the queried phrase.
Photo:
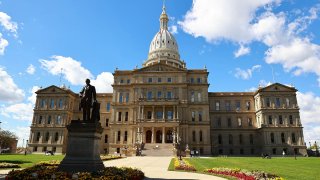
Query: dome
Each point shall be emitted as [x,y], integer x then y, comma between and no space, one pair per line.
[164,46]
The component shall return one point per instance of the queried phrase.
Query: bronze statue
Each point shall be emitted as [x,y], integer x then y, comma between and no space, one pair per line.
[89,99]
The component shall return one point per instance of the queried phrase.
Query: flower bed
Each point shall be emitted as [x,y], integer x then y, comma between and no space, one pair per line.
[110,157]
[43,171]
[183,165]
[243,174]
[8,165]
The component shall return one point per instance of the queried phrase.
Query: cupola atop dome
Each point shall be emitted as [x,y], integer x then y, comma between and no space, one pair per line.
[164,47]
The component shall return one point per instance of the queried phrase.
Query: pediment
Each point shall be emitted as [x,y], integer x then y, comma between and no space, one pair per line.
[160,68]
[277,87]
[53,90]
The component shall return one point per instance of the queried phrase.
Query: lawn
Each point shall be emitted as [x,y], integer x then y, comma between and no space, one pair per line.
[28,160]
[288,168]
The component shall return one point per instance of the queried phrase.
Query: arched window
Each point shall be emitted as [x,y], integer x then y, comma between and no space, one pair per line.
[219,139]
[293,138]
[47,136]
[272,137]
[230,139]
[200,136]
[283,140]
[56,137]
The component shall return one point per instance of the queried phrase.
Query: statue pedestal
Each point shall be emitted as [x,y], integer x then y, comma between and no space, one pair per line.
[83,152]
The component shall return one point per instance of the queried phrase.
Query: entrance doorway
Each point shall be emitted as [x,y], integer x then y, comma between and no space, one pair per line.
[169,138]
[148,136]
[159,136]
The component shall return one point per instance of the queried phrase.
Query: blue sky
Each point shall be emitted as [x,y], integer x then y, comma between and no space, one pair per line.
[243,43]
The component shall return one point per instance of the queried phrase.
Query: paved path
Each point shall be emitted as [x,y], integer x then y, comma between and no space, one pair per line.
[156,168]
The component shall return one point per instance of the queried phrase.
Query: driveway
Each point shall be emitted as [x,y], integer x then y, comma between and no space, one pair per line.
[156,168]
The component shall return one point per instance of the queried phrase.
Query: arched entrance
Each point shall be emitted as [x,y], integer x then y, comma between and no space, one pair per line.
[169,138]
[148,136]
[158,136]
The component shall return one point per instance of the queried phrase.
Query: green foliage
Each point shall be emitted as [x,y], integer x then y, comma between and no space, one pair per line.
[288,168]
[7,138]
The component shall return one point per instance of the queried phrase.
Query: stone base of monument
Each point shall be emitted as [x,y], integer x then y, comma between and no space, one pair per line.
[83,152]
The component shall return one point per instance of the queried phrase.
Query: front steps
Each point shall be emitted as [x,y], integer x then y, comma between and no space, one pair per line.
[157,149]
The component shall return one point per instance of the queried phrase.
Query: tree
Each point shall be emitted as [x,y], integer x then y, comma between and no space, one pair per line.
[7,138]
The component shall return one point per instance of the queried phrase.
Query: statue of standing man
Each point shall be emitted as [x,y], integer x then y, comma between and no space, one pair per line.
[88,97]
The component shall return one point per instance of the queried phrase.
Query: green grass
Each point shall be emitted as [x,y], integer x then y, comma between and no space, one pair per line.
[171,165]
[28,160]
[288,168]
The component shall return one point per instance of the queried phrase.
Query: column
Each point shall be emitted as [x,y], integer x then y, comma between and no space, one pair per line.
[174,112]
[178,133]
[163,112]
[115,137]
[139,112]
[134,136]
[152,115]
[142,113]
[152,136]
[163,135]
[177,113]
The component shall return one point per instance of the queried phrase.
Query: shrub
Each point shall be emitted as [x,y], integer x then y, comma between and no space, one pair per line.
[183,165]
[109,157]
[8,165]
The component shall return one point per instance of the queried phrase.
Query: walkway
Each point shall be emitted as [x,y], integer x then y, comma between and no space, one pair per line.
[156,168]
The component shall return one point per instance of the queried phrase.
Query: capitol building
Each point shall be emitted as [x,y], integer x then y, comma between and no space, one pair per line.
[166,106]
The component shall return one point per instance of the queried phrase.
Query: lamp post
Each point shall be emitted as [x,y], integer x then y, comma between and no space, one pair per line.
[25,150]
[139,142]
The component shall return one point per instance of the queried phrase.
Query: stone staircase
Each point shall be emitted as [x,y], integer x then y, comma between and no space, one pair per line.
[157,150]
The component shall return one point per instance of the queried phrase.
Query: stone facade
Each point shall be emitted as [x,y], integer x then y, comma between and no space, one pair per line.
[164,103]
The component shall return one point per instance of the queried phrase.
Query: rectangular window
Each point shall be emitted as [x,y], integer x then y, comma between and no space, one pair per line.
[248,105]
[230,139]
[107,122]
[217,105]
[268,102]
[126,136]
[193,116]
[283,140]
[159,95]
[192,96]
[43,103]
[251,139]
[249,121]
[52,103]
[229,122]
[127,116]
[149,114]
[120,97]
[127,97]
[290,119]
[272,137]
[228,106]
[169,114]
[193,136]
[200,136]
[149,80]
[199,96]
[240,139]
[40,119]
[119,116]
[191,80]
[159,114]
[106,138]
[239,122]
[219,139]
[277,102]
[288,102]
[119,136]
[293,136]
[200,116]
[274,151]
[199,80]
[49,119]
[159,80]
[238,105]
[169,95]
[128,81]
[270,119]
[252,151]
[60,103]
[219,122]
[108,107]
[121,81]
[169,80]
[280,119]
[149,96]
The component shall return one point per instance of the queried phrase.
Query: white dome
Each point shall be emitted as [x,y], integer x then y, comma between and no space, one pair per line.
[164,46]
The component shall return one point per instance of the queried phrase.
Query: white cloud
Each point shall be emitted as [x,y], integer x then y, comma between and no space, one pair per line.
[246,74]
[246,21]
[71,69]
[309,105]
[33,97]
[103,82]
[242,51]
[5,21]
[3,44]
[23,134]
[19,111]
[10,92]
[173,29]
[31,69]
[300,55]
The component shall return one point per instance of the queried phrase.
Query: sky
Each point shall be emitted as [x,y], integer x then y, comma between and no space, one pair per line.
[242,43]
